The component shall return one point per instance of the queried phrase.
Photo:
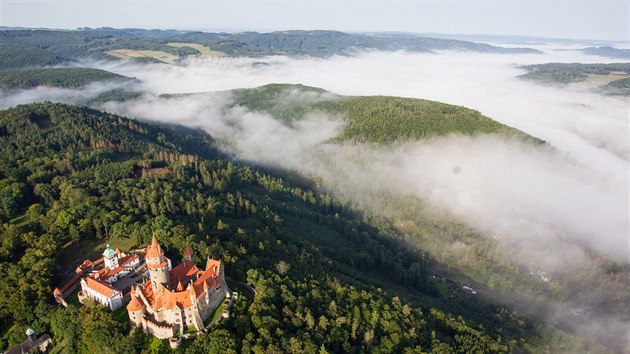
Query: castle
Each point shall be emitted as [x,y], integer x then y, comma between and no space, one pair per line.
[98,284]
[176,299]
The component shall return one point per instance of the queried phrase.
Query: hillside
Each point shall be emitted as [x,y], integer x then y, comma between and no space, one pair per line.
[325,278]
[618,87]
[17,56]
[97,43]
[609,52]
[479,259]
[380,119]
[565,73]
[55,77]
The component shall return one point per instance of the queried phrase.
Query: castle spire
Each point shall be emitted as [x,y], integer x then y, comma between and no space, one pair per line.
[158,264]
[154,250]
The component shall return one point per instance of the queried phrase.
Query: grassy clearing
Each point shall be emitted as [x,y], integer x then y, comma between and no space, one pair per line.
[604,79]
[204,52]
[91,249]
[130,53]
[73,299]
[216,313]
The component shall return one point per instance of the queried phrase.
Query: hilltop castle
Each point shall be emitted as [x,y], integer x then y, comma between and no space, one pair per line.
[176,299]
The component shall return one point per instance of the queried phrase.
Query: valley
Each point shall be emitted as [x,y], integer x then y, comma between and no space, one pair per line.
[375,221]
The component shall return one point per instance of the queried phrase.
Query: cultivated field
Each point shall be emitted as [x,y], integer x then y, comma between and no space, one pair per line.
[203,51]
[130,53]
[605,79]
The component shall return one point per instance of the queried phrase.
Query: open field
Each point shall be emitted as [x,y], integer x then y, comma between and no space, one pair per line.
[203,51]
[130,53]
[605,79]
[91,249]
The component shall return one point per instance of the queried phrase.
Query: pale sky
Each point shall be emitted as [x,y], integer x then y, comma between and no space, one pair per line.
[563,19]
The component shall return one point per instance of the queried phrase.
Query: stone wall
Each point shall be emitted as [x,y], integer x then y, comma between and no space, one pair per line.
[162,332]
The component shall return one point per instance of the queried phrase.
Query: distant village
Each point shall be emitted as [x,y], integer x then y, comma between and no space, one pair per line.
[164,301]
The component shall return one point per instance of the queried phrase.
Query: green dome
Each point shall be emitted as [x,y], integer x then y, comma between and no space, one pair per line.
[109,252]
[30,331]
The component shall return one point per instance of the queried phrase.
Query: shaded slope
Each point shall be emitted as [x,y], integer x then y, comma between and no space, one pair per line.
[55,77]
[16,56]
[81,174]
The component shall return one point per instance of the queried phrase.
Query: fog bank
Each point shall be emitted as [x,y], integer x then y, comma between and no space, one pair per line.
[546,204]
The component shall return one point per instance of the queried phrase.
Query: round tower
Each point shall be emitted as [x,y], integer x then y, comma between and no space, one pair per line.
[157,264]
[136,310]
[110,258]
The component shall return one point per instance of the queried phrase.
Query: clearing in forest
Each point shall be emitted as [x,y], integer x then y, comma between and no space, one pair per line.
[131,53]
[203,51]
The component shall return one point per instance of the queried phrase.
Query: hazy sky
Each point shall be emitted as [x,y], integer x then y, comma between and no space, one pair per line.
[566,19]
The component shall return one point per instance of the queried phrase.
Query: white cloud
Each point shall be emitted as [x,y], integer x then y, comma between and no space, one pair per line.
[545,202]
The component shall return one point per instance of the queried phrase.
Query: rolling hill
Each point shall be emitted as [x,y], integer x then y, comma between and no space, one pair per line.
[71,174]
[18,56]
[380,119]
[96,43]
[565,73]
[55,77]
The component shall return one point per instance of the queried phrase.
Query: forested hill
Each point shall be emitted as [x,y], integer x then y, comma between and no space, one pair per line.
[609,52]
[381,119]
[572,72]
[98,43]
[55,77]
[326,281]
[609,79]
[15,56]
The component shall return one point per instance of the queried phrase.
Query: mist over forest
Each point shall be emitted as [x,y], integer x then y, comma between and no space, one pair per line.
[545,205]
[553,206]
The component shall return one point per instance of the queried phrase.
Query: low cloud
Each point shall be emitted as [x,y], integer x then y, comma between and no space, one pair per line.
[543,204]
[78,96]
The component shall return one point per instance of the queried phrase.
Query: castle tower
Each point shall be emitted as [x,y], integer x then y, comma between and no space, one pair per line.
[110,258]
[158,264]
[188,255]
[136,310]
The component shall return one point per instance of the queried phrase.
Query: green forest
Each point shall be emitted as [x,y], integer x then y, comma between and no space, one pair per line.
[477,259]
[571,72]
[90,43]
[18,56]
[377,119]
[328,279]
[55,77]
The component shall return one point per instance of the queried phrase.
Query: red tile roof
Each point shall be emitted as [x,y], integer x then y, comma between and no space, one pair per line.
[101,287]
[135,304]
[183,271]
[127,259]
[154,250]
[71,282]
[159,266]
[213,264]
[165,298]
[199,281]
